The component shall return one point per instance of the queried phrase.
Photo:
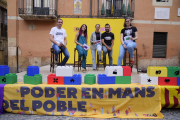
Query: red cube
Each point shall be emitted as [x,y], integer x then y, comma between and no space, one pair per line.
[126,71]
[172,81]
[53,79]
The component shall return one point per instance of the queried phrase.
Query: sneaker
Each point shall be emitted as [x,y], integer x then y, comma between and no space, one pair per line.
[100,60]
[94,69]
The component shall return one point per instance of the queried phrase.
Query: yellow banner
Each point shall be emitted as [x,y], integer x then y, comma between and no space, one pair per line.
[98,101]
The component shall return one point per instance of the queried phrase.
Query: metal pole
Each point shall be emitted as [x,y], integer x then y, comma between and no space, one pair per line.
[98,9]
[17,60]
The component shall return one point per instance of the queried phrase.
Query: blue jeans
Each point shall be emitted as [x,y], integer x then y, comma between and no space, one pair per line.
[105,51]
[130,47]
[65,52]
[99,50]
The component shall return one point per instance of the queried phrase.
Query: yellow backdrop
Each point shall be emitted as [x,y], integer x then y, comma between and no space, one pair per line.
[71,26]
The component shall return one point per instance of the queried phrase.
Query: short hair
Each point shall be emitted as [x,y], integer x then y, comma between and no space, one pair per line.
[107,24]
[97,24]
[59,19]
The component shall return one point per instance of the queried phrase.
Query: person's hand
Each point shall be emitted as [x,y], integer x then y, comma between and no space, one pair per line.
[82,46]
[109,49]
[132,38]
[124,46]
[59,44]
[94,42]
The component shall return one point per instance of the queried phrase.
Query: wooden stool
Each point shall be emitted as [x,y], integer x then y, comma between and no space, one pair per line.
[79,60]
[52,64]
[128,63]
[103,62]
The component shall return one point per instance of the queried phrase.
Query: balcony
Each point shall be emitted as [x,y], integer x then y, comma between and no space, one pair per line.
[38,9]
[110,9]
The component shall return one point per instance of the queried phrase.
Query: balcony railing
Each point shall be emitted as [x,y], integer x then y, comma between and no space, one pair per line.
[38,9]
[111,9]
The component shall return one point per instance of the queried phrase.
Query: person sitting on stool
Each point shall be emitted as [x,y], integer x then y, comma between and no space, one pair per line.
[59,41]
[128,36]
[107,44]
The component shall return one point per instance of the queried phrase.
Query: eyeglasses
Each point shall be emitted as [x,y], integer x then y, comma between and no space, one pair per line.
[127,21]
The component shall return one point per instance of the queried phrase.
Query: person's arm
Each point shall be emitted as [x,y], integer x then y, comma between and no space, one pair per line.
[91,39]
[136,36]
[76,41]
[87,40]
[112,44]
[104,44]
[52,39]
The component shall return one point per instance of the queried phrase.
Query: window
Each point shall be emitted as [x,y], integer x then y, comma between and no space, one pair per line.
[41,7]
[162,2]
[159,44]
[3,21]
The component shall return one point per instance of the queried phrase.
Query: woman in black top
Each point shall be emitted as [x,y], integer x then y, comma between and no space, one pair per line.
[129,35]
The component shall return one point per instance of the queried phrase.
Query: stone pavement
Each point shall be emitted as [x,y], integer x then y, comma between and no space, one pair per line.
[169,114]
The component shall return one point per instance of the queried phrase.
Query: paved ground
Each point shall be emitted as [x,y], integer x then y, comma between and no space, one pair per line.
[169,114]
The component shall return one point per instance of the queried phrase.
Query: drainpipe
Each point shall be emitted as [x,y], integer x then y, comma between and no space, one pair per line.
[90,8]
[98,9]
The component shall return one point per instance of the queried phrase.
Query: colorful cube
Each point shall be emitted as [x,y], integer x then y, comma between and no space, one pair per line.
[32,70]
[157,71]
[76,79]
[114,71]
[4,69]
[172,81]
[64,71]
[144,79]
[104,79]
[90,79]
[34,80]
[10,78]
[126,71]
[173,71]
[53,79]
[178,81]
[122,79]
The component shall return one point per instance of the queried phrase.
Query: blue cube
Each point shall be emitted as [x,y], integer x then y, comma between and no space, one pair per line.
[104,79]
[4,69]
[32,70]
[178,81]
[76,79]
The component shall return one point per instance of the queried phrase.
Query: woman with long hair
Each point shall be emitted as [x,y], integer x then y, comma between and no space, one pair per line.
[129,35]
[81,40]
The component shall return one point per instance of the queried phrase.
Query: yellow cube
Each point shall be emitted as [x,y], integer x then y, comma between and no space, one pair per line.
[157,71]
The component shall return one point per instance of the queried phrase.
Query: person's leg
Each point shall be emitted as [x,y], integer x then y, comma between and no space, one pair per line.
[94,58]
[105,51]
[66,54]
[57,50]
[130,48]
[99,50]
[80,51]
[110,57]
[84,59]
[121,55]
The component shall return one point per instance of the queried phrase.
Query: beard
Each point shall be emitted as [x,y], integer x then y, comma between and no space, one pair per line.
[107,30]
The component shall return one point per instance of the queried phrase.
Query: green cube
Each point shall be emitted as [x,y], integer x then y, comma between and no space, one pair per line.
[90,79]
[10,78]
[173,71]
[34,80]
[122,79]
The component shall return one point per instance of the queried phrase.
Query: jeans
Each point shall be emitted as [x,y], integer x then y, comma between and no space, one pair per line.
[130,47]
[105,51]
[82,53]
[65,52]
[99,50]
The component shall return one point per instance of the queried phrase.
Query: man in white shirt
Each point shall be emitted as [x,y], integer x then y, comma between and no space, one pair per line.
[58,38]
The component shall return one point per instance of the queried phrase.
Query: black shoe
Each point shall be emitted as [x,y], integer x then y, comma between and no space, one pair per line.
[100,60]
[94,69]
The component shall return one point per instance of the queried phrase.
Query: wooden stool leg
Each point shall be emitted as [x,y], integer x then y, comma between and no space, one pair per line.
[137,61]
[97,66]
[124,59]
[53,62]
